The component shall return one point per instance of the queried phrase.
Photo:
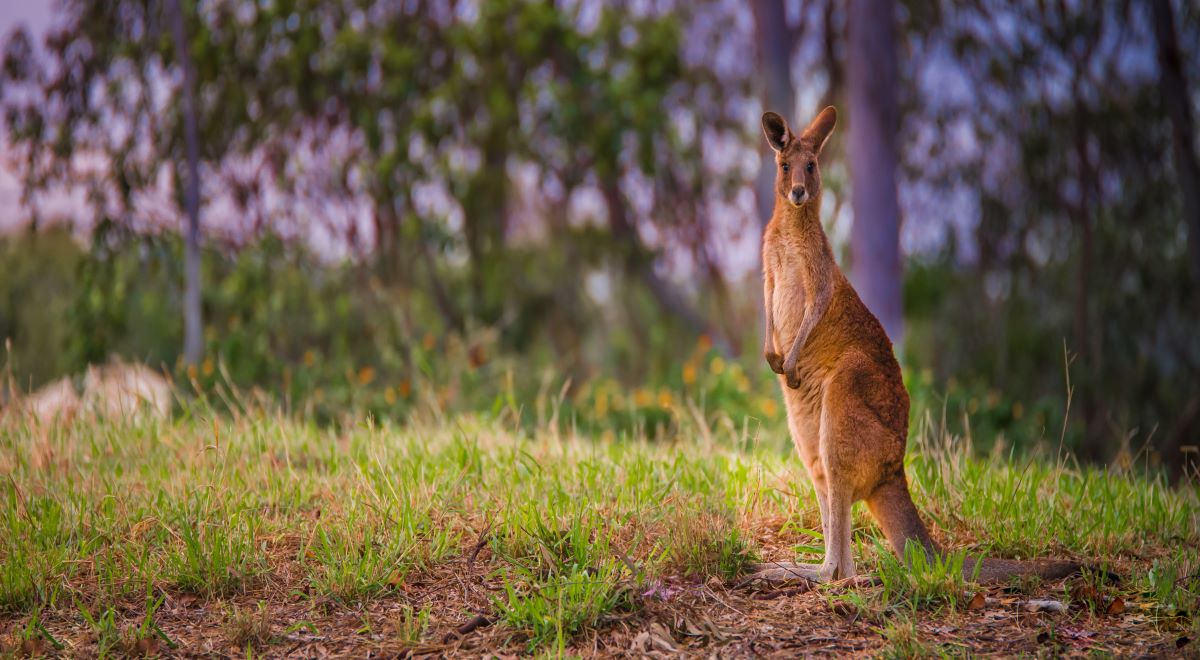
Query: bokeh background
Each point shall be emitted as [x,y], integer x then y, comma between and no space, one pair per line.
[418,207]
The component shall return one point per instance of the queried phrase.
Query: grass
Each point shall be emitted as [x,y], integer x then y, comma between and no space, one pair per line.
[920,582]
[554,536]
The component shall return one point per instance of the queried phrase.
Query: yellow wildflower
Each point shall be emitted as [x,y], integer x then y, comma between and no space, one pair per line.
[389,395]
[405,388]
[310,358]
[207,367]
[1018,410]
[743,383]
[601,402]
[717,366]
[642,397]
[664,398]
[768,407]
[689,373]
[366,375]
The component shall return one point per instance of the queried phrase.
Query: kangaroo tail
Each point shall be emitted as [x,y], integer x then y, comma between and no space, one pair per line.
[1000,570]
[893,507]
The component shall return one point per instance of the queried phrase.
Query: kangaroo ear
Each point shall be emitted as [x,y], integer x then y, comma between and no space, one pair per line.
[776,130]
[821,127]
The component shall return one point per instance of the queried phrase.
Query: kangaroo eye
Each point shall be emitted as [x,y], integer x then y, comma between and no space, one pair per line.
[811,166]
[784,166]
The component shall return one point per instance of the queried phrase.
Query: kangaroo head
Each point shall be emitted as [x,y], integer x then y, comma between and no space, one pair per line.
[798,178]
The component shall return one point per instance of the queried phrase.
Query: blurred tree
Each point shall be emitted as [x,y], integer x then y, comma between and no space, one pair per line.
[1056,127]
[875,235]
[1176,98]
[429,111]
[193,324]
[776,43]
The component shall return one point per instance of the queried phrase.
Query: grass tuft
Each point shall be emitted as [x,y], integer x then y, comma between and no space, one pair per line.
[249,628]
[921,582]
[700,542]
[555,608]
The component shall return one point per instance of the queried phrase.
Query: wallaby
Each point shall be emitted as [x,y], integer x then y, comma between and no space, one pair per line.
[847,408]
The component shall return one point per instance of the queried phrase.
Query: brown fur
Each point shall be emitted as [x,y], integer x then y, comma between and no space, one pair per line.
[847,408]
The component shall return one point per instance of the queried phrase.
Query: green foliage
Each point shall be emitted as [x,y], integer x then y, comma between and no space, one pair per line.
[704,544]
[919,581]
[1174,583]
[215,559]
[338,341]
[37,293]
[557,608]
[397,98]
[1080,246]
[904,640]
[104,627]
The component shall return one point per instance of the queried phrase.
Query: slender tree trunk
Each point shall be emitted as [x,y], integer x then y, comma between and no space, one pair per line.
[193,326]
[833,66]
[1085,339]
[775,45]
[875,235]
[1174,88]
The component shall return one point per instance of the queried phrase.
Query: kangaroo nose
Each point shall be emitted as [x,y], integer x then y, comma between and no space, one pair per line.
[797,195]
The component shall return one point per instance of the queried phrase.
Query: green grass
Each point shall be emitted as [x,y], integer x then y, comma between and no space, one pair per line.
[921,582]
[101,513]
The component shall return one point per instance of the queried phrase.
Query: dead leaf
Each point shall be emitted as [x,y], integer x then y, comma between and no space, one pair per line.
[147,646]
[977,602]
[551,562]
[1117,605]
[395,579]
[845,610]
[32,647]
[656,640]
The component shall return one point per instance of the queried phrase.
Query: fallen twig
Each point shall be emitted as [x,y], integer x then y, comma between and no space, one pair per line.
[483,539]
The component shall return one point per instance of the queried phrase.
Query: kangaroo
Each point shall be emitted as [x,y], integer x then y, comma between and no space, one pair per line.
[847,408]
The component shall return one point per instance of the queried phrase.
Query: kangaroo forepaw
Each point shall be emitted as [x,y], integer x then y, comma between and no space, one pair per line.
[793,379]
[775,360]
[791,373]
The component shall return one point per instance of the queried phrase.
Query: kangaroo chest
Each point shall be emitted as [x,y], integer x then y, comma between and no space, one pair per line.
[787,301]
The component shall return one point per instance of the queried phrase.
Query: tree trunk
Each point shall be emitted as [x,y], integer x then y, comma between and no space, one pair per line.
[775,45]
[193,326]
[1175,94]
[1090,450]
[875,234]
[1178,449]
